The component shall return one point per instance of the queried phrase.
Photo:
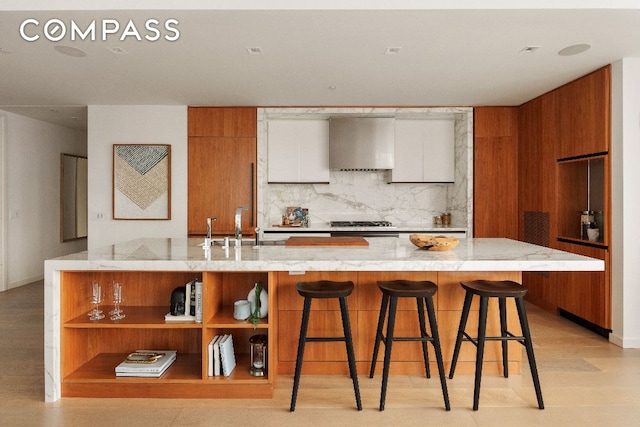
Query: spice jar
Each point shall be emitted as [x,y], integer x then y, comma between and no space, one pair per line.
[446,218]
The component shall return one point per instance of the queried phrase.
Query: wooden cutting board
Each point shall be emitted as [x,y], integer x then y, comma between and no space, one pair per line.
[326,241]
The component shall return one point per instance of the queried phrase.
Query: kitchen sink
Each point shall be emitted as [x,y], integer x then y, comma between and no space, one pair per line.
[250,242]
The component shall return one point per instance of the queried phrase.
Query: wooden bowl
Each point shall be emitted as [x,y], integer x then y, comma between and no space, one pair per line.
[434,243]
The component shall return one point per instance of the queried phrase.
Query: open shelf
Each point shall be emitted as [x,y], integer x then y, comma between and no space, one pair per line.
[135,317]
[92,349]
[224,319]
[102,369]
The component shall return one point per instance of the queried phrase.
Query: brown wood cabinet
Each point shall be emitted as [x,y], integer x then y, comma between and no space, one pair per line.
[495,180]
[364,308]
[564,138]
[584,115]
[222,169]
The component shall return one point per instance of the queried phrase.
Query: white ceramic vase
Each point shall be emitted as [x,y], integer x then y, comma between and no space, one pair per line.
[263,301]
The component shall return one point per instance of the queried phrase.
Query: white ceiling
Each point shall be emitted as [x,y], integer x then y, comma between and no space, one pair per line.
[447,57]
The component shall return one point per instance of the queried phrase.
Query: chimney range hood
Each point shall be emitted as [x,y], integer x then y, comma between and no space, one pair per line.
[361,143]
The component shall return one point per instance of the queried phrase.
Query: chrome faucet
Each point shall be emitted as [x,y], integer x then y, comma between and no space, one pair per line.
[207,240]
[239,224]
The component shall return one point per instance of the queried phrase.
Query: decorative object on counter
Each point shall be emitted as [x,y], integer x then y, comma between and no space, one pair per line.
[296,217]
[241,309]
[141,181]
[446,218]
[96,299]
[258,301]
[116,292]
[258,353]
[433,243]
[437,220]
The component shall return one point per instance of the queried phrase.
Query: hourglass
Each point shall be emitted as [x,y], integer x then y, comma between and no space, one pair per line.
[258,355]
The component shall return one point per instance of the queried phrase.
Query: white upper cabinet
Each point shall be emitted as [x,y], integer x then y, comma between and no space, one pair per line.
[424,150]
[298,151]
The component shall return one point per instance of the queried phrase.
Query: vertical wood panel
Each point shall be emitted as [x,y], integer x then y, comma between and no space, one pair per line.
[495,168]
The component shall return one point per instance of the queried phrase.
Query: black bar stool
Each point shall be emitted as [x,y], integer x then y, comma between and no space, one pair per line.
[423,292]
[502,290]
[325,289]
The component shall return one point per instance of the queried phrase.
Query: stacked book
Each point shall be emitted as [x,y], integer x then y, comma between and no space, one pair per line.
[222,358]
[192,304]
[146,363]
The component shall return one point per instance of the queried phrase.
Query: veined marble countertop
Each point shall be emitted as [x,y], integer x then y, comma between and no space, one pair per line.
[400,228]
[382,254]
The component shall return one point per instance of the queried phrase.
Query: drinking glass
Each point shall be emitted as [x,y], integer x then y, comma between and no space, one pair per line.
[96,299]
[116,313]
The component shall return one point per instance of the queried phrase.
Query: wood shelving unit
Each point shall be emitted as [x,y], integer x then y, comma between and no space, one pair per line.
[90,350]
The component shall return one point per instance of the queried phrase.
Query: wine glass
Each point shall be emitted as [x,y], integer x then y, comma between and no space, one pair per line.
[116,313]
[96,299]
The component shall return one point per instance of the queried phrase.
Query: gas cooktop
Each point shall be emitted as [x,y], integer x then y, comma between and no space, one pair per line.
[361,224]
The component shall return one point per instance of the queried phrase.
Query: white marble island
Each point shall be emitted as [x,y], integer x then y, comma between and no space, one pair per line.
[150,268]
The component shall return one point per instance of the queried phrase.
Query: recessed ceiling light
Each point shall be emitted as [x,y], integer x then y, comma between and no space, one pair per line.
[392,51]
[529,49]
[574,49]
[254,51]
[117,50]
[70,51]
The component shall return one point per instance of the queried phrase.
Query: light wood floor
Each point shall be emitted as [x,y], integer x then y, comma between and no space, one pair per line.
[586,381]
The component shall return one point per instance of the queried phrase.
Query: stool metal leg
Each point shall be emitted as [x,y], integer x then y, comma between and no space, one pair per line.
[379,336]
[524,324]
[423,335]
[502,304]
[301,343]
[436,345]
[387,349]
[463,323]
[346,326]
[482,332]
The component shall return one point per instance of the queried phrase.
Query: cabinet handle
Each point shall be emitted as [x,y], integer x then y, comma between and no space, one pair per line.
[252,191]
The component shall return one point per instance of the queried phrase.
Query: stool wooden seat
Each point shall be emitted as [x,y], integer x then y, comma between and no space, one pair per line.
[325,289]
[502,290]
[423,292]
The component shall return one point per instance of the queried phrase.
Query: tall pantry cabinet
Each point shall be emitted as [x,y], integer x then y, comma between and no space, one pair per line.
[537,167]
[222,161]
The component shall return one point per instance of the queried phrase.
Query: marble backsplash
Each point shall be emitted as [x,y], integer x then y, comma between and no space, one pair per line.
[366,195]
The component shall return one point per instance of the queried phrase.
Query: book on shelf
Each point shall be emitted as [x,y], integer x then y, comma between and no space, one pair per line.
[227,355]
[221,356]
[198,308]
[213,352]
[146,363]
[179,318]
[187,299]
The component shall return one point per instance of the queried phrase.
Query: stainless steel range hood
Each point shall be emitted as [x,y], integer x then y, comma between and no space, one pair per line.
[361,143]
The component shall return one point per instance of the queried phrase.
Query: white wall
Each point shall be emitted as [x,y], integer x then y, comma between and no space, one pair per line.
[32,149]
[625,226]
[134,124]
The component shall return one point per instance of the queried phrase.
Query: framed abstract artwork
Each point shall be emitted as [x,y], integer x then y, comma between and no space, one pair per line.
[142,181]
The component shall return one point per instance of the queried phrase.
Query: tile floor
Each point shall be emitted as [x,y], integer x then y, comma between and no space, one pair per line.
[586,381]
